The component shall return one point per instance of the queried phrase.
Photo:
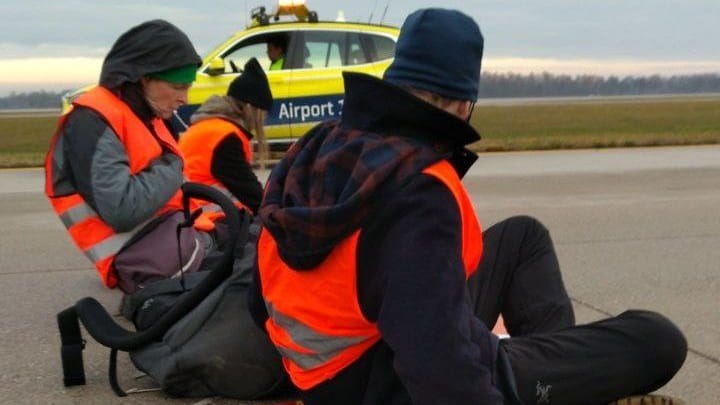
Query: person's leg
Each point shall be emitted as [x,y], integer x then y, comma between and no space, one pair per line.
[634,353]
[519,276]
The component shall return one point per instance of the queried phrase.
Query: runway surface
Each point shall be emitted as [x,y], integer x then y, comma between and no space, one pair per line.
[634,228]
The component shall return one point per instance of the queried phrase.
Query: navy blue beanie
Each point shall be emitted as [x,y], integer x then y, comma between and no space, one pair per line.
[439,51]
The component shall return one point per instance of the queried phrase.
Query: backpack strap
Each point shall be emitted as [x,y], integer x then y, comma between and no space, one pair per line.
[133,302]
[72,347]
[112,374]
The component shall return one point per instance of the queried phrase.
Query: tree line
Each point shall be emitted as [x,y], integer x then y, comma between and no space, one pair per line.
[33,99]
[495,85]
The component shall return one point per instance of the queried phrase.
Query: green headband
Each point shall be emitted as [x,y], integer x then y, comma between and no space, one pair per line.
[181,75]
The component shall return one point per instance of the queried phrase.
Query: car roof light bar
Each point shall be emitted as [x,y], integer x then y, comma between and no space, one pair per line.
[298,8]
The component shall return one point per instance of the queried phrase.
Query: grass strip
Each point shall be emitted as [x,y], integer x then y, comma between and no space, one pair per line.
[563,125]
[597,125]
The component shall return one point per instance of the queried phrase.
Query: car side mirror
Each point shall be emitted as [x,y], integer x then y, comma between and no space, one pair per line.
[216,67]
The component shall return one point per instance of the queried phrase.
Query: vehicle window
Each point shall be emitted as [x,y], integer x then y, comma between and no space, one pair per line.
[255,46]
[240,55]
[313,49]
[356,53]
[384,47]
[323,49]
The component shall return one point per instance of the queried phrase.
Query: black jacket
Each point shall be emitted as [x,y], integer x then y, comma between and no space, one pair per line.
[411,278]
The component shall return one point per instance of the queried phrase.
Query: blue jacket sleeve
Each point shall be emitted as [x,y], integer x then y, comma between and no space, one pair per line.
[411,280]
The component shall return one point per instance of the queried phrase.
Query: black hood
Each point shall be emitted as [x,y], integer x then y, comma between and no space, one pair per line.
[153,46]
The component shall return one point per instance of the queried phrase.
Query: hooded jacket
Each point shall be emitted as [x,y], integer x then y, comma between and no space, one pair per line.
[151,47]
[90,159]
[366,172]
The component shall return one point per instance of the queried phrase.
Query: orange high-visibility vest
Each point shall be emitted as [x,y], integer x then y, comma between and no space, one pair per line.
[91,234]
[198,144]
[315,319]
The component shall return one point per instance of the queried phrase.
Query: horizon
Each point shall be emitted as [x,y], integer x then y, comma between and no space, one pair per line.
[61,45]
[19,75]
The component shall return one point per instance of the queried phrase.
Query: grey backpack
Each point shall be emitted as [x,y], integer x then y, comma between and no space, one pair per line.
[194,336]
[216,349]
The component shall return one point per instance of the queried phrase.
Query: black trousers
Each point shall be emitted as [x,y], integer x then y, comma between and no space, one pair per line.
[553,361]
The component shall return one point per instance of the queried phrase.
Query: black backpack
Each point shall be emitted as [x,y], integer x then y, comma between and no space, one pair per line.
[194,335]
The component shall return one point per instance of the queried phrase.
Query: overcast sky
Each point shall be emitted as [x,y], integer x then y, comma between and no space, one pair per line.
[54,45]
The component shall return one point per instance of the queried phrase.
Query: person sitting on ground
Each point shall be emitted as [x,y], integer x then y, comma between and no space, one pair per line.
[276,50]
[376,284]
[114,169]
[217,146]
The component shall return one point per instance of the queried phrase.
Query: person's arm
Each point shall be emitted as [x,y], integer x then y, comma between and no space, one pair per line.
[101,172]
[411,280]
[231,167]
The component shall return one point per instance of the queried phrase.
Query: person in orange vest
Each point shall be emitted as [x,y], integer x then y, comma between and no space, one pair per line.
[217,147]
[374,279]
[114,169]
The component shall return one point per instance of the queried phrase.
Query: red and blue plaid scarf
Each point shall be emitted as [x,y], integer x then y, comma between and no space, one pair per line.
[330,181]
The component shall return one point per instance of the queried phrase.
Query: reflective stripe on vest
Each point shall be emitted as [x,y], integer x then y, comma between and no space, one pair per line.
[321,347]
[315,319]
[108,246]
[77,214]
[198,144]
[91,234]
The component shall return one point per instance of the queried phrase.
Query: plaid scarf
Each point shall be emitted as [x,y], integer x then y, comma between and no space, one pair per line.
[330,182]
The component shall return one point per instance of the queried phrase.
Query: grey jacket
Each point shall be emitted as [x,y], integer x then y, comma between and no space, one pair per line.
[92,161]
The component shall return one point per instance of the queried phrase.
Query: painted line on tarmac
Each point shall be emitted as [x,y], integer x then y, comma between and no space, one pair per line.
[45,271]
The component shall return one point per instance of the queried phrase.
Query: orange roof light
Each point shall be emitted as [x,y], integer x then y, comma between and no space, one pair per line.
[298,8]
[290,3]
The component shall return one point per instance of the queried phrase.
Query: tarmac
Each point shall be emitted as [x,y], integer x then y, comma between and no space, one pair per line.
[634,228]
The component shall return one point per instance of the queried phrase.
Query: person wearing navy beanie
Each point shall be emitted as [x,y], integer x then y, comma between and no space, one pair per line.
[376,283]
[438,57]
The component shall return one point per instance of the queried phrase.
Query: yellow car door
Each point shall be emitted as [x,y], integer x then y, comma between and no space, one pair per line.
[317,57]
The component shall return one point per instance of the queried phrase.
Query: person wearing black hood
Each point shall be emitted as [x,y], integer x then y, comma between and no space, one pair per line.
[114,169]
[217,146]
[370,279]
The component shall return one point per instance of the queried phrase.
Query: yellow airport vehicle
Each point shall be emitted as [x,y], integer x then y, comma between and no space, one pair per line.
[309,87]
